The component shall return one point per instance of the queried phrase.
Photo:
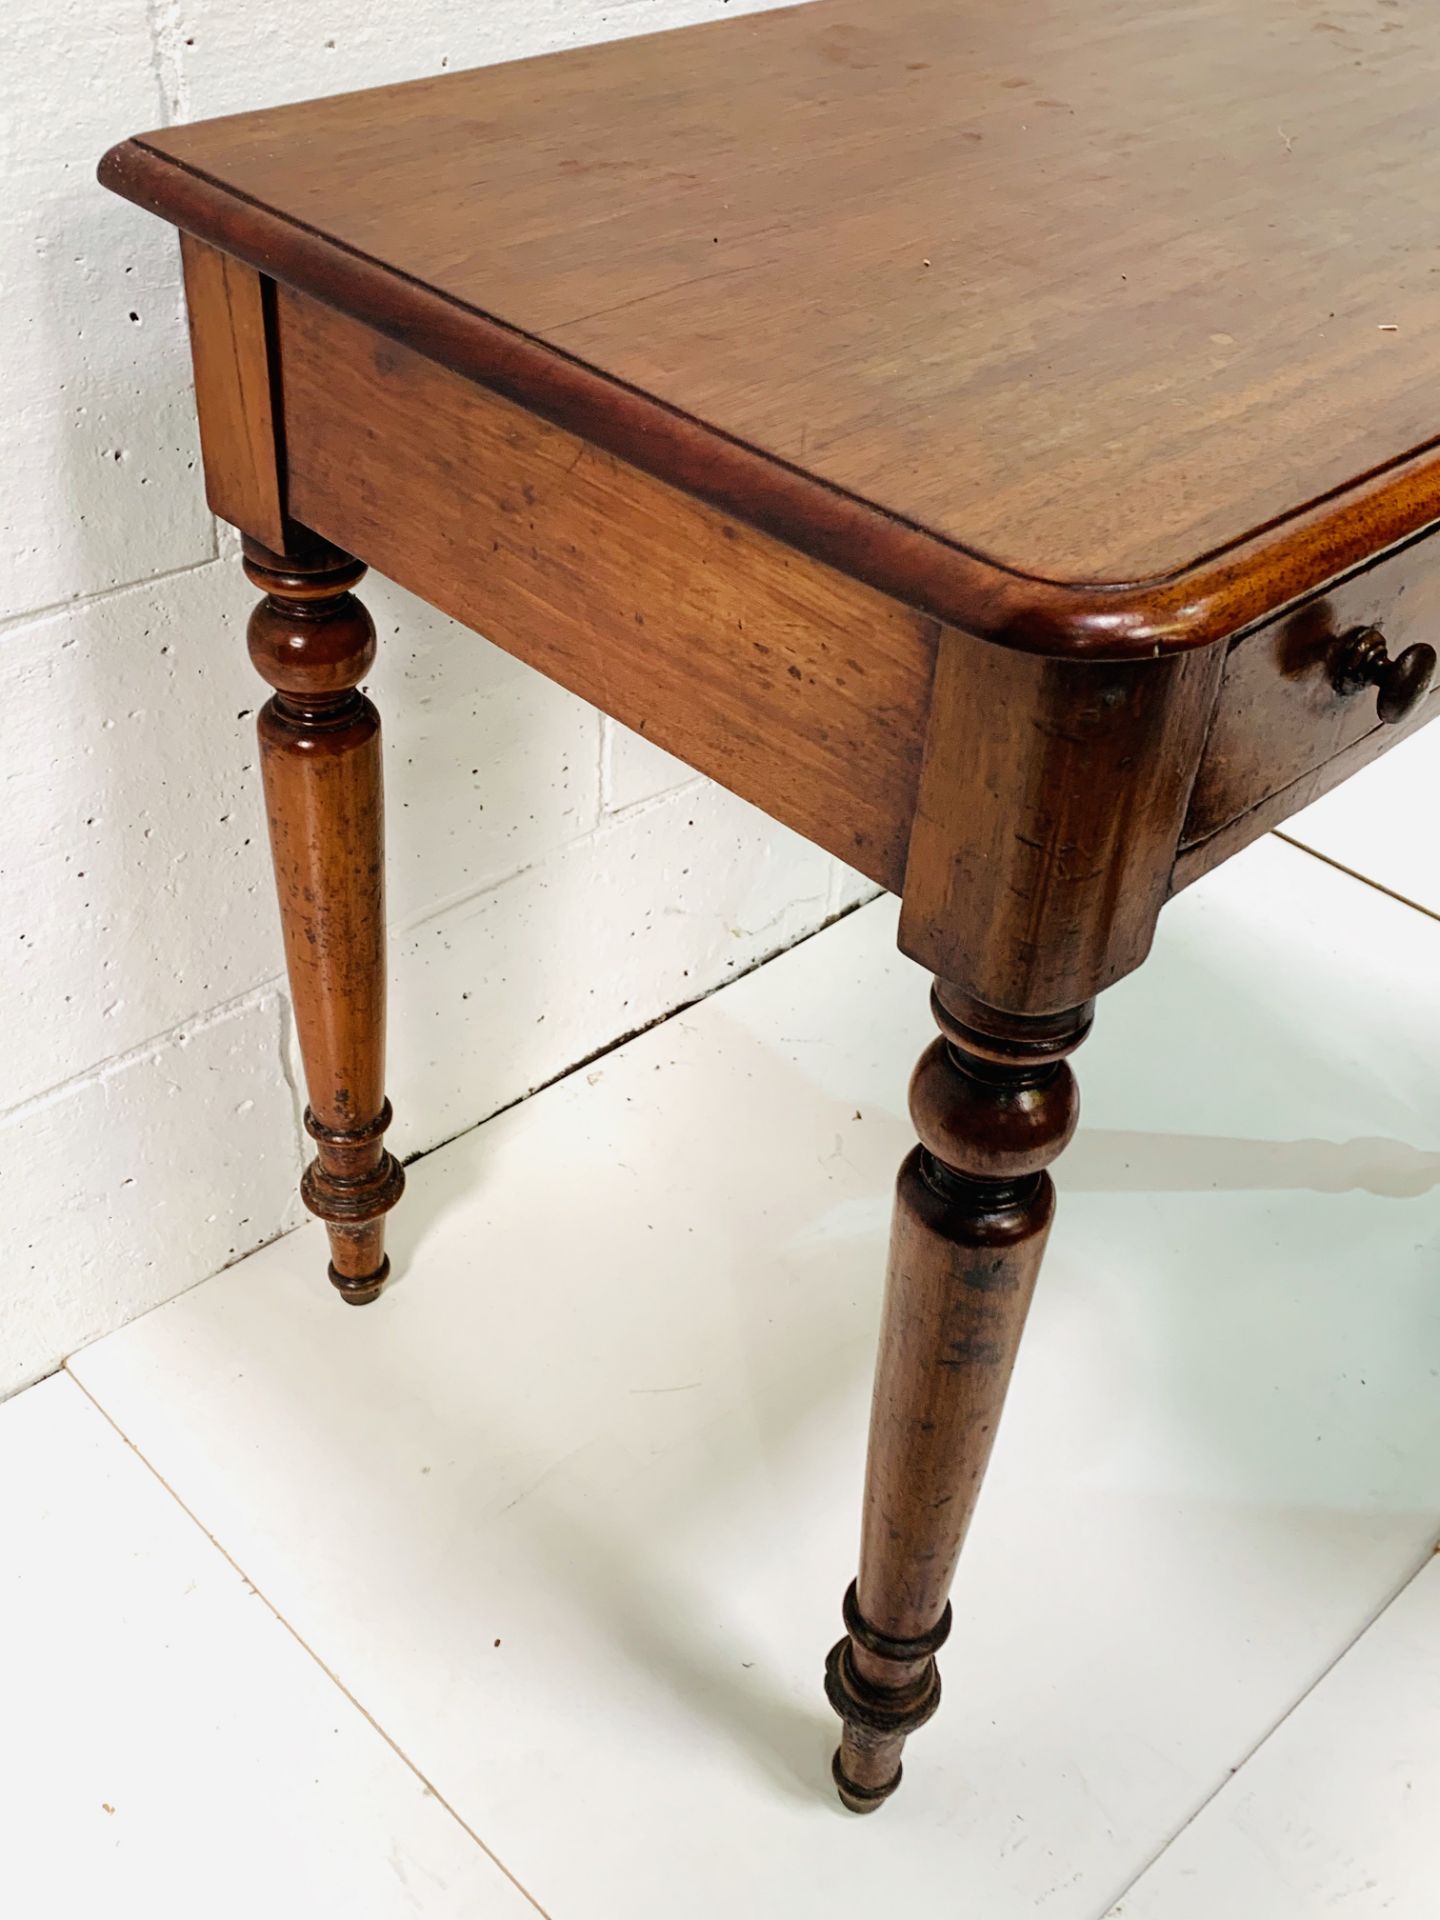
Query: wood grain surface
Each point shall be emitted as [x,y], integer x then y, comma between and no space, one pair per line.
[792,684]
[229,306]
[313,642]
[965,299]
[1050,807]
[993,1106]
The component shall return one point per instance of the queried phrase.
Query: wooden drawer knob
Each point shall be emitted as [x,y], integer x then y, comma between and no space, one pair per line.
[1364,661]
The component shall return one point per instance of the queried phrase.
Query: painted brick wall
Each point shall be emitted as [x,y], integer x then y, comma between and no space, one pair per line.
[555,882]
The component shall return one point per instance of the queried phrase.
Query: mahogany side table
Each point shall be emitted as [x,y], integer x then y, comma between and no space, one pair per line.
[999,442]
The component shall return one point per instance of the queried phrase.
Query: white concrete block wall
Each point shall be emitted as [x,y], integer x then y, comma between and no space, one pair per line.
[555,881]
[97,488]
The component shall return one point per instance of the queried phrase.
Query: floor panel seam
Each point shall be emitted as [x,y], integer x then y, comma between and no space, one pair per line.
[300,1641]
[1423,1561]
[1354,873]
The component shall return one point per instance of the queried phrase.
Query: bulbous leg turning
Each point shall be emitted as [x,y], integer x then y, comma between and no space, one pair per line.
[311,639]
[993,1102]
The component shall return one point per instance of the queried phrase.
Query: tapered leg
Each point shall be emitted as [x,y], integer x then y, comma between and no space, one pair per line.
[993,1102]
[311,639]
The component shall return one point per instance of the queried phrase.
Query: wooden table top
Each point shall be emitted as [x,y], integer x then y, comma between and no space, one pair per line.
[964,298]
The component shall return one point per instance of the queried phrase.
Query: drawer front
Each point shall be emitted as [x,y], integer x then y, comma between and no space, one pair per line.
[1279,720]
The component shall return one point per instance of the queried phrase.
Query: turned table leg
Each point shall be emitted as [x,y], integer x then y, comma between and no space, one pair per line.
[311,639]
[993,1102]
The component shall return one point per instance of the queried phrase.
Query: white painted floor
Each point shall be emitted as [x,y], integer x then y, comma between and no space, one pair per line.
[515,1588]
